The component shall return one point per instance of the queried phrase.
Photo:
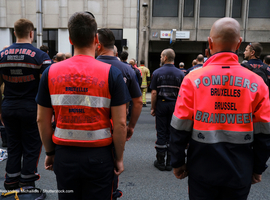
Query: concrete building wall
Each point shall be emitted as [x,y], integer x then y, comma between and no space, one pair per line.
[114,14]
[252,29]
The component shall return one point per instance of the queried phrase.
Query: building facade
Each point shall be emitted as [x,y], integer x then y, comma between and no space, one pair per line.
[192,21]
[118,15]
[144,27]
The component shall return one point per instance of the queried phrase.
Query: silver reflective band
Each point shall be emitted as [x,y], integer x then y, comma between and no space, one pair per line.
[261,127]
[70,134]
[26,65]
[216,136]
[80,100]
[167,86]
[14,174]
[161,146]
[29,176]
[181,124]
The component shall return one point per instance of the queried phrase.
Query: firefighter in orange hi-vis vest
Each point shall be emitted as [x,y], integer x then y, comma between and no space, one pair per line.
[222,111]
[85,94]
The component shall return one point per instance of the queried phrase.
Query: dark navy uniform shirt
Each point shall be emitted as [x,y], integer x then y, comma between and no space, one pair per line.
[20,67]
[194,67]
[118,90]
[128,73]
[167,80]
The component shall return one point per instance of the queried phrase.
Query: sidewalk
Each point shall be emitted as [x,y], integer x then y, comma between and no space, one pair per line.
[148,97]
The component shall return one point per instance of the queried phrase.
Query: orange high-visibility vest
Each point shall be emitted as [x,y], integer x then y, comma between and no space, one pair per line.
[81,100]
[222,103]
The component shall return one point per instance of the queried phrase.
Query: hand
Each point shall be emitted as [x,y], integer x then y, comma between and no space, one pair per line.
[153,113]
[1,119]
[256,178]
[129,133]
[49,160]
[118,167]
[180,172]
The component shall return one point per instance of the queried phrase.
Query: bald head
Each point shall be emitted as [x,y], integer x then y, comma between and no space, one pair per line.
[225,35]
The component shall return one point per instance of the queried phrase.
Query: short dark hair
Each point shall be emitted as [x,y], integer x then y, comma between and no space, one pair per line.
[23,27]
[257,47]
[170,54]
[60,57]
[124,55]
[106,38]
[142,62]
[44,48]
[82,28]
[267,59]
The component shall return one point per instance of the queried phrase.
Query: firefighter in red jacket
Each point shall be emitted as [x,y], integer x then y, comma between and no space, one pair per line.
[222,111]
[85,94]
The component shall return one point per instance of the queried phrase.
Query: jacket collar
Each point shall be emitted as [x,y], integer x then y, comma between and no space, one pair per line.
[221,58]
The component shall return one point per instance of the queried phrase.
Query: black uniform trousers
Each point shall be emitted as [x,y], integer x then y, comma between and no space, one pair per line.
[23,141]
[84,172]
[201,191]
[164,111]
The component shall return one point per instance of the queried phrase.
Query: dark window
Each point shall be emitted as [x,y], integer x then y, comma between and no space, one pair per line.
[189,8]
[165,8]
[118,34]
[50,39]
[210,8]
[259,9]
[237,8]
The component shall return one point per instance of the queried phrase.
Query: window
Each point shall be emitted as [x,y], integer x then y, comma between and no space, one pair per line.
[259,9]
[237,9]
[50,39]
[210,8]
[165,8]
[189,8]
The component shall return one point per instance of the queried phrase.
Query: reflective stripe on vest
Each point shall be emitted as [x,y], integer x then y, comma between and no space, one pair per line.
[26,65]
[216,136]
[181,124]
[80,100]
[82,134]
[261,127]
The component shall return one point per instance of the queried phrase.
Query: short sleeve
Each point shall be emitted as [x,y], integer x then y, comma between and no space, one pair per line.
[118,89]
[153,85]
[133,88]
[43,97]
[46,62]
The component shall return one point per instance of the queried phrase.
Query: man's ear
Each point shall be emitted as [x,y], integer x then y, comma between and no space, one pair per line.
[210,42]
[70,41]
[239,43]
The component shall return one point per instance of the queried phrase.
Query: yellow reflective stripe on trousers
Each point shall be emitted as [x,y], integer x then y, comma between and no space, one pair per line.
[71,134]
[181,124]
[216,136]
[80,100]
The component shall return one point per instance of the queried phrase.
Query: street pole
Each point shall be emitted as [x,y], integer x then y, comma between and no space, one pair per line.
[39,23]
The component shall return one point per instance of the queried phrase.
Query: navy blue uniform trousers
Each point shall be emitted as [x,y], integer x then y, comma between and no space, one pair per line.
[84,173]
[23,142]
[164,111]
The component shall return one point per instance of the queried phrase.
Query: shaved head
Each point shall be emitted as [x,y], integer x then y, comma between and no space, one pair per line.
[170,54]
[225,35]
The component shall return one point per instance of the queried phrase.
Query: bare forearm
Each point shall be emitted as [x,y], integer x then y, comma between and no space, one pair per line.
[135,112]
[119,140]
[153,99]
[45,127]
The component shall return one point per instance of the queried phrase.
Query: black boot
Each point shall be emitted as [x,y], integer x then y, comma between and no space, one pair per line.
[160,162]
[168,162]
[11,186]
[27,184]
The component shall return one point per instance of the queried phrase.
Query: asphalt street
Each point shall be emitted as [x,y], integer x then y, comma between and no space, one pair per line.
[141,180]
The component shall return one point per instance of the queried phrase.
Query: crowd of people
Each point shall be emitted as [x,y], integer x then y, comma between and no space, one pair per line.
[217,111]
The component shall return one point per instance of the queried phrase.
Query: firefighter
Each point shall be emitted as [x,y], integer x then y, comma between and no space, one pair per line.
[85,94]
[222,111]
[165,85]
